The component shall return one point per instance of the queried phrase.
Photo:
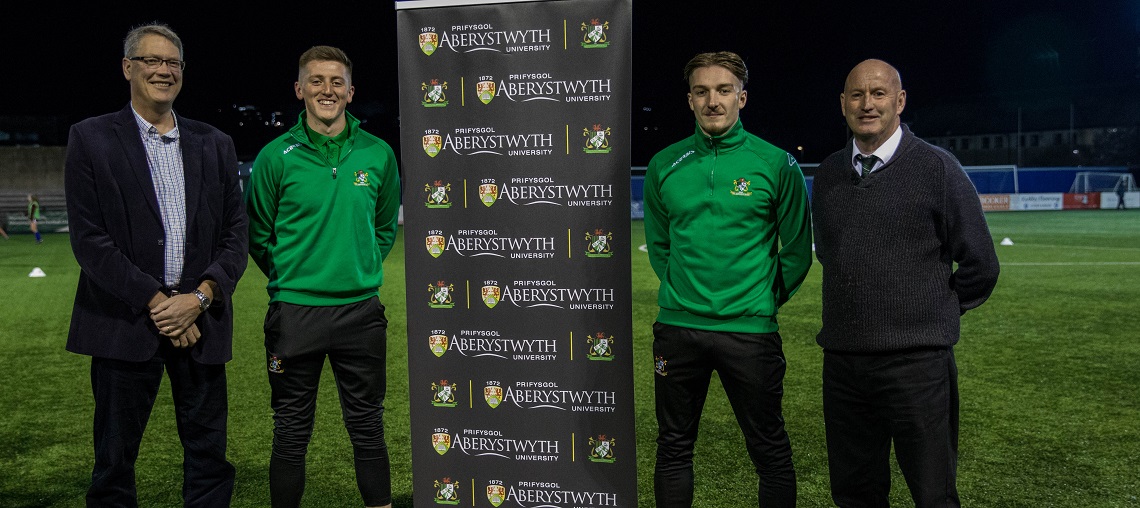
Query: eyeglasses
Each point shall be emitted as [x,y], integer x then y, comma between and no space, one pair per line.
[153,62]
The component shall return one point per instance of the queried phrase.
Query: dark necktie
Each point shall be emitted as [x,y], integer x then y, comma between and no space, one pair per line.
[868,163]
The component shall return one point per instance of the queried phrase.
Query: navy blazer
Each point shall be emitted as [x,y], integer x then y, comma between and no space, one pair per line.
[117,236]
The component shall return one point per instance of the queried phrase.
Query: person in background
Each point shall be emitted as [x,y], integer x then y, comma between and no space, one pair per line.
[323,201]
[728,229]
[158,229]
[1121,188]
[905,251]
[34,217]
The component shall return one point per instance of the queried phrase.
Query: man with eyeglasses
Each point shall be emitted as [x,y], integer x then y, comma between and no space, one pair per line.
[159,231]
[729,235]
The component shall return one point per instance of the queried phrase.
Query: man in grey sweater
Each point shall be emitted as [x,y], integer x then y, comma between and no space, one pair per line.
[893,215]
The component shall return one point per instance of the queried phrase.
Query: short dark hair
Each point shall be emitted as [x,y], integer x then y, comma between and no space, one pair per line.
[134,37]
[726,59]
[324,54]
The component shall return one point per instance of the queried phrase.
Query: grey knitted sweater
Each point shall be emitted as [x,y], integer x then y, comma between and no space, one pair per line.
[888,245]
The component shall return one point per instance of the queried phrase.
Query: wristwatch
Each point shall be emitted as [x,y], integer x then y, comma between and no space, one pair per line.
[203,300]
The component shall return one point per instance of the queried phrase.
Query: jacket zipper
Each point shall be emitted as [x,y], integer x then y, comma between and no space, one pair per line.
[342,157]
[712,170]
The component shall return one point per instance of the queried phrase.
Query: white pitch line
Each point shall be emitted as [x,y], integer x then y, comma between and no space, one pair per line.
[1070,247]
[644,248]
[1093,263]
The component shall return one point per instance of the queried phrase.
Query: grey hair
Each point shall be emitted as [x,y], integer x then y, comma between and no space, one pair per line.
[134,38]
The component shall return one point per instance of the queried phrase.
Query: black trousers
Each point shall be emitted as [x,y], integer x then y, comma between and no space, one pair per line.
[751,367]
[910,398]
[124,396]
[354,339]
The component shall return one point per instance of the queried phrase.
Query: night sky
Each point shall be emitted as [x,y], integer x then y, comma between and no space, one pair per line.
[64,61]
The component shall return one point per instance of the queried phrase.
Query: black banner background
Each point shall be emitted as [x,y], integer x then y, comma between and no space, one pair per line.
[519,313]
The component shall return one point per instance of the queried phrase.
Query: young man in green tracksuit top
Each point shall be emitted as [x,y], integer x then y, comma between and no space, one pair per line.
[728,229]
[323,204]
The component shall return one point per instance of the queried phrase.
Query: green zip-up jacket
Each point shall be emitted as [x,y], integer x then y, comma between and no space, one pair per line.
[320,231]
[728,228]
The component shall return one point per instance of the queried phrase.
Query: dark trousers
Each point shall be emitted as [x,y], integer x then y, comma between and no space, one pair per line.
[124,395]
[354,339]
[751,368]
[910,398]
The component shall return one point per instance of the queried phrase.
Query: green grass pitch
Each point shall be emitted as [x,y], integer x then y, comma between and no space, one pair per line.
[1049,375]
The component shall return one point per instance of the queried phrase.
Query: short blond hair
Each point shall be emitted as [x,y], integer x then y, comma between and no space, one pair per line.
[726,59]
[325,54]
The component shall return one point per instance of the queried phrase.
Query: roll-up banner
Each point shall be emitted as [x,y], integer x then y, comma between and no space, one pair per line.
[515,136]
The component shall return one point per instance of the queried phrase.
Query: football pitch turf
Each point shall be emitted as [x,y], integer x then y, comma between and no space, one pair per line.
[1049,372]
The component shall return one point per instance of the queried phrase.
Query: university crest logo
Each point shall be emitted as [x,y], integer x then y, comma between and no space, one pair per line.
[602,449]
[485,90]
[433,143]
[491,295]
[594,34]
[488,193]
[436,244]
[441,295]
[493,394]
[444,394]
[601,347]
[598,245]
[446,491]
[496,494]
[441,441]
[597,139]
[276,365]
[438,344]
[437,196]
[741,187]
[360,179]
[429,40]
[434,97]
